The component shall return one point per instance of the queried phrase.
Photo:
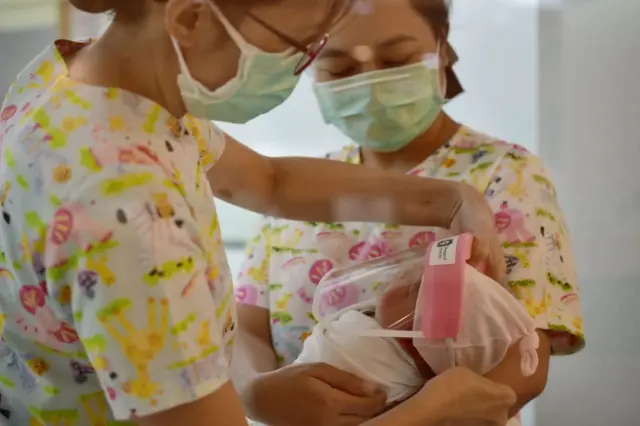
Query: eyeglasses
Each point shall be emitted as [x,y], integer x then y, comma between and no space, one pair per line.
[313,49]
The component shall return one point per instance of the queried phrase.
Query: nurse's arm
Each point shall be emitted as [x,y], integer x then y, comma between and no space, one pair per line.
[508,373]
[253,351]
[322,190]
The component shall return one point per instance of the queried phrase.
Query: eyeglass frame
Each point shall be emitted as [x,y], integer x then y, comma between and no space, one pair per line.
[312,50]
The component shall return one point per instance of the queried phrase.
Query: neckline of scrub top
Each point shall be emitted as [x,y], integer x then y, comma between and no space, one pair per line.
[151,113]
[351,153]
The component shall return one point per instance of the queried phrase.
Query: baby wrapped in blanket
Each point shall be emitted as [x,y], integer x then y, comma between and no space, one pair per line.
[417,314]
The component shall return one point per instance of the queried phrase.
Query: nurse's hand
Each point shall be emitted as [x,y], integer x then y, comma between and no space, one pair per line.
[314,395]
[473,215]
[463,398]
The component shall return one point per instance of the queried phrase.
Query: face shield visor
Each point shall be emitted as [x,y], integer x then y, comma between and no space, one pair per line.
[441,311]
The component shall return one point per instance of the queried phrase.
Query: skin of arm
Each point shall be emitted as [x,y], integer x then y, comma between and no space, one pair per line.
[322,190]
[409,413]
[526,388]
[254,354]
[204,411]
[414,411]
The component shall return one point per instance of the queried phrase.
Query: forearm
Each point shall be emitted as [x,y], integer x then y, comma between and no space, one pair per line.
[331,191]
[526,388]
[253,351]
[413,411]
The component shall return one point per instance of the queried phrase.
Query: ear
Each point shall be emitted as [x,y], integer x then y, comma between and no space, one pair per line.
[444,58]
[185,19]
[445,50]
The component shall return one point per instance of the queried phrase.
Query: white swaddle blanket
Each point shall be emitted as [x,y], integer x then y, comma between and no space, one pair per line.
[379,359]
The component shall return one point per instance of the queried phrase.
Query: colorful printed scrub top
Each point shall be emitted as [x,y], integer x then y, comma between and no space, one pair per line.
[286,259]
[116,299]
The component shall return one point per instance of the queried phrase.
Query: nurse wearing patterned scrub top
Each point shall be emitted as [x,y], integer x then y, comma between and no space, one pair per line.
[116,301]
[286,260]
[106,206]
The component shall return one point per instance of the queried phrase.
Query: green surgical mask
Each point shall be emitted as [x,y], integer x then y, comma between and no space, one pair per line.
[264,80]
[384,110]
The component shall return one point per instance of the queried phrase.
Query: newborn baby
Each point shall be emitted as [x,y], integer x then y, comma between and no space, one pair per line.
[414,329]
[380,359]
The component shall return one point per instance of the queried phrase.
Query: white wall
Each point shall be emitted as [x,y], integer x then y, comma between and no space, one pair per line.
[497,41]
[593,146]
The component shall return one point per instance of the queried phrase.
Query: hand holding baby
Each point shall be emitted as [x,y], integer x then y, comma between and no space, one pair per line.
[315,395]
[461,397]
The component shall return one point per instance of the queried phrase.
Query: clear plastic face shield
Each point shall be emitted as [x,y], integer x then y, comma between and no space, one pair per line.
[440,309]
[399,291]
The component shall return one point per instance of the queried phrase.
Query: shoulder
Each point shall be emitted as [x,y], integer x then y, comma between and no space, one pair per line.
[347,154]
[32,86]
[495,150]
[483,160]
[38,74]
[468,141]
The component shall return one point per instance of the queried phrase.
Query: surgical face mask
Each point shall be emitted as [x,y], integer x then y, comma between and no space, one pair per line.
[337,342]
[263,81]
[384,110]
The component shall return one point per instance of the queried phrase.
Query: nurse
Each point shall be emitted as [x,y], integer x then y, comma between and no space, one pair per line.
[116,301]
[385,90]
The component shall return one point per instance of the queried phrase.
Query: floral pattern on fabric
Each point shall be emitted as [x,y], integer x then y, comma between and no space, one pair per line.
[286,259]
[116,299]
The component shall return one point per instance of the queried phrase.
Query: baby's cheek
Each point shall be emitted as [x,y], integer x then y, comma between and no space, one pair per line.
[396,309]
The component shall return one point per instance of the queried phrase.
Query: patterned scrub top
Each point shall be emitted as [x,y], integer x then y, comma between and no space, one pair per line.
[116,299]
[286,259]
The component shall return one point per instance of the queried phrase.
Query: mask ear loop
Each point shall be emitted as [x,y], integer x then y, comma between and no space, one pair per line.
[181,60]
[434,63]
[233,33]
[442,82]
[184,68]
[231,30]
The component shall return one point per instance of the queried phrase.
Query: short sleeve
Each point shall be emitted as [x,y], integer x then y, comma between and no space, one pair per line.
[252,285]
[536,240]
[142,305]
[210,138]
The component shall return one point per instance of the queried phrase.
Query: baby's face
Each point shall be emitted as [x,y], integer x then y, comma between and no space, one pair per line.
[395,311]
[396,307]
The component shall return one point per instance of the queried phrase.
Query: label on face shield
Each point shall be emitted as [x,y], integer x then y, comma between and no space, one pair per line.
[443,252]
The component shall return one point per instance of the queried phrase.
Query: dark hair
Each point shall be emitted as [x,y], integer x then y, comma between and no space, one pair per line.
[130,10]
[437,14]
[123,9]
[93,6]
